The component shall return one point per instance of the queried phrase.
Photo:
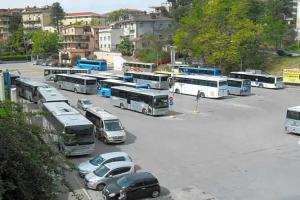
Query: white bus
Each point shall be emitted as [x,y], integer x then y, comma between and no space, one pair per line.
[146,101]
[27,88]
[50,94]
[50,72]
[237,86]
[75,134]
[154,81]
[139,67]
[76,83]
[206,86]
[260,80]
[292,122]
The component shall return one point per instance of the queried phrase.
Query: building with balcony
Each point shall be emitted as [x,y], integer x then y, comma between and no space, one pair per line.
[79,41]
[37,19]
[83,18]
[5,17]
[133,27]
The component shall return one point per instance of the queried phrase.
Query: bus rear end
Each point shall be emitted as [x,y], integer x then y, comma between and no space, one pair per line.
[279,82]
[292,122]
[222,89]
[246,87]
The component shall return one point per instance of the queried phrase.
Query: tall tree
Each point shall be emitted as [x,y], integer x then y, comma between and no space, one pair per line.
[15,43]
[218,32]
[126,47]
[30,168]
[15,23]
[44,43]
[57,14]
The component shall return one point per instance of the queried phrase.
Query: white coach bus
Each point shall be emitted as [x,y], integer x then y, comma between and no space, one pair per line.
[206,86]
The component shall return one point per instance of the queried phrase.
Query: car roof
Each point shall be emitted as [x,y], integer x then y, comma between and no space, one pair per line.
[296,108]
[110,155]
[141,175]
[118,164]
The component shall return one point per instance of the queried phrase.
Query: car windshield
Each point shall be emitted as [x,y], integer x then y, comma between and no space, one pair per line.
[79,135]
[161,102]
[97,160]
[124,182]
[101,171]
[112,125]
[86,102]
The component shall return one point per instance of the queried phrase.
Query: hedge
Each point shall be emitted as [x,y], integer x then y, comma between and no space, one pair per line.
[15,57]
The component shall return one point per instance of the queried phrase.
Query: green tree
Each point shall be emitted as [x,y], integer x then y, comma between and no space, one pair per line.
[218,32]
[126,47]
[57,14]
[15,43]
[45,43]
[15,23]
[115,15]
[274,25]
[30,168]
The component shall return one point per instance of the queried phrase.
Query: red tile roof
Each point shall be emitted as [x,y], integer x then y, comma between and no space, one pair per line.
[81,14]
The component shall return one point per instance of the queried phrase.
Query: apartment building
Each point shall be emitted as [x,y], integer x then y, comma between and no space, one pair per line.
[5,17]
[133,27]
[37,19]
[79,41]
[84,18]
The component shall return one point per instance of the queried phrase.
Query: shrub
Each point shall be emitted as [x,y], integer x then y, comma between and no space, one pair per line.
[14,57]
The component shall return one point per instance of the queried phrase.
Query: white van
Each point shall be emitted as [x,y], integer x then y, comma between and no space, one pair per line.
[107,126]
[292,122]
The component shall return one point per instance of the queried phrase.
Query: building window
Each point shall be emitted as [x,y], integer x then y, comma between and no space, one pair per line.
[100,38]
[104,38]
[141,24]
[101,45]
[105,46]
[108,38]
[109,46]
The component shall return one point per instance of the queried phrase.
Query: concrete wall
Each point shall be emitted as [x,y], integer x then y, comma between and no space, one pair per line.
[112,58]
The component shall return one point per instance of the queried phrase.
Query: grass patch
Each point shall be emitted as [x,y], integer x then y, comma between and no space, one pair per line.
[276,64]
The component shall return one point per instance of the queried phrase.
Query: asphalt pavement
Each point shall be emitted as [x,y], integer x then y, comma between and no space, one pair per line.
[231,149]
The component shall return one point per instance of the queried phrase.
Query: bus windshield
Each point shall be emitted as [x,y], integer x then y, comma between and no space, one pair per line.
[293,115]
[80,135]
[112,125]
[279,79]
[161,102]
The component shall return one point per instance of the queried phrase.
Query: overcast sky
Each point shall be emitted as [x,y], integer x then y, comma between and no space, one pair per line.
[99,6]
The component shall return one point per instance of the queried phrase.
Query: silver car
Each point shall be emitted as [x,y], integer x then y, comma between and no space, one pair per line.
[101,159]
[84,104]
[97,179]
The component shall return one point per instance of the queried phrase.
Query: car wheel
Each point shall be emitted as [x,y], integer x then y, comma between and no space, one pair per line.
[100,187]
[155,194]
[105,140]
[122,106]
[144,111]
[202,95]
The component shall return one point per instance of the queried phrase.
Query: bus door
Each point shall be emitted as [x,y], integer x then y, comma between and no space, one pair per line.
[136,103]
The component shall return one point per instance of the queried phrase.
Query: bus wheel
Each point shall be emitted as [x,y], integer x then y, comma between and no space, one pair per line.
[144,111]
[202,95]
[260,85]
[51,78]
[122,106]
[75,90]
[177,91]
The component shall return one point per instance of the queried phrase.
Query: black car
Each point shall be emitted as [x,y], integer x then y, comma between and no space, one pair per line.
[132,186]
[282,52]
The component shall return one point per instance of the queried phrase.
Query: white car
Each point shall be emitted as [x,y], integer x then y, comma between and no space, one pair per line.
[84,104]
[97,179]
[101,159]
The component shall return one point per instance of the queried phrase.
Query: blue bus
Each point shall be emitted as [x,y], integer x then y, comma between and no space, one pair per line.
[123,77]
[200,71]
[99,65]
[105,86]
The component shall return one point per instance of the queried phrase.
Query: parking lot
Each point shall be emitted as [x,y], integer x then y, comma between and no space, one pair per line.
[234,148]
